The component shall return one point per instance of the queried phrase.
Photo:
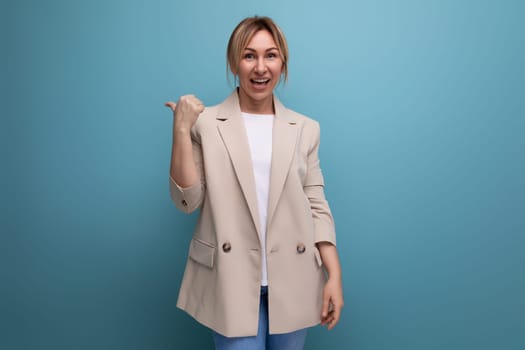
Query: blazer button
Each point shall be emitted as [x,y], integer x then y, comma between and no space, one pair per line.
[301,248]
[226,247]
[184,203]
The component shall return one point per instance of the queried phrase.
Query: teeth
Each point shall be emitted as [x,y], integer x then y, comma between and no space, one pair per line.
[260,80]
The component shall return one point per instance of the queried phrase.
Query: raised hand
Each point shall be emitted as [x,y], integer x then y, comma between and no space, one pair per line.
[185,111]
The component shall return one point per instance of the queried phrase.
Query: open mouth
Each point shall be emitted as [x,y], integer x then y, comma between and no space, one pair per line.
[260,82]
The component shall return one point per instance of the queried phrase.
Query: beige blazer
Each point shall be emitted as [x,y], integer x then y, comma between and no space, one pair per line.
[221,283]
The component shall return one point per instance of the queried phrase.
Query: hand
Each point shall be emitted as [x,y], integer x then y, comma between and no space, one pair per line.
[186,111]
[332,302]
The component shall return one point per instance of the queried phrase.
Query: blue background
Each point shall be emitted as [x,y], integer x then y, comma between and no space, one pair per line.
[422,109]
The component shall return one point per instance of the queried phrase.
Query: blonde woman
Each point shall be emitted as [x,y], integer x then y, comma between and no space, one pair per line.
[262,264]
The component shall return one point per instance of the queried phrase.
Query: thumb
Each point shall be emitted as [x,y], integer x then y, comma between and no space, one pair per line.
[171,105]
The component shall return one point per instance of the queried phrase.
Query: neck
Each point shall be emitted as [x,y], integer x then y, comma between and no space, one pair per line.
[249,105]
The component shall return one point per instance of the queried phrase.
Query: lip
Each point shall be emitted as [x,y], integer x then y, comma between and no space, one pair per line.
[260,83]
[259,79]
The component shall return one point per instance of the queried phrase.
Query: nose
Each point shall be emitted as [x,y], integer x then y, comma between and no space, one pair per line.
[260,67]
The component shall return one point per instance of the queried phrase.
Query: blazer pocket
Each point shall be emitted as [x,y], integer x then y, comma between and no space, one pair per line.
[318,257]
[202,252]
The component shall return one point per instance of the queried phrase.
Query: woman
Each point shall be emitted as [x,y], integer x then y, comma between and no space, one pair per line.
[262,263]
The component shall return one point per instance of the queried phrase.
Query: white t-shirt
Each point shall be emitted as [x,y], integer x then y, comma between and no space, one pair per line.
[259,130]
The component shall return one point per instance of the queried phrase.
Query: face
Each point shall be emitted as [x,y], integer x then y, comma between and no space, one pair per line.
[259,72]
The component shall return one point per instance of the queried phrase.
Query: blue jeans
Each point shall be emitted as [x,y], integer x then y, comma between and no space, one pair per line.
[263,340]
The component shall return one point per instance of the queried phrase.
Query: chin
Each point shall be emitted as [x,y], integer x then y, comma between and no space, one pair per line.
[258,95]
[261,97]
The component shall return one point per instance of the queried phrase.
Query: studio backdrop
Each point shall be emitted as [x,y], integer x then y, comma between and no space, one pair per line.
[421,107]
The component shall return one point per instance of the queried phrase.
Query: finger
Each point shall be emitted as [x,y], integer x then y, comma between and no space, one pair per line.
[199,104]
[326,305]
[337,312]
[329,322]
[171,105]
[324,320]
[335,319]
[192,98]
[332,323]
[194,102]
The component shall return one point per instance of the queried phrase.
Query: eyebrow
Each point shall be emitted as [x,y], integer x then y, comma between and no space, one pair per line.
[270,49]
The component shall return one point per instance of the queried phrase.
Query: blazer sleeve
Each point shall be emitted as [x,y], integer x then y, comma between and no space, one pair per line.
[188,199]
[324,230]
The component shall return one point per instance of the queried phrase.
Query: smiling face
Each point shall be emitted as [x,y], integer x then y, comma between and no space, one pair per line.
[259,71]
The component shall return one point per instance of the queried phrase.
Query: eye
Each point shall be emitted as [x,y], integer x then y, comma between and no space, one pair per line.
[272,55]
[249,56]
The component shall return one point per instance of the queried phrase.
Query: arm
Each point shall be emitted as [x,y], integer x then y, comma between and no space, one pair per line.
[324,236]
[182,169]
[333,290]
[186,160]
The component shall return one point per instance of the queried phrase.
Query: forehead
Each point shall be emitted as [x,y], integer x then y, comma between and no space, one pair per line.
[261,40]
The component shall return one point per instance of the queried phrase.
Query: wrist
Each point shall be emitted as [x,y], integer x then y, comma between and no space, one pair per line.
[181,129]
[334,275]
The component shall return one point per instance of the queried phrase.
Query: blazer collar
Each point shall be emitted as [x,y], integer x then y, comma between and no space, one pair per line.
[230,108]
[285,130]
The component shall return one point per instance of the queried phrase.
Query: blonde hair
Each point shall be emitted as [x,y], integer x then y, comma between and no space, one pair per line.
[244,32]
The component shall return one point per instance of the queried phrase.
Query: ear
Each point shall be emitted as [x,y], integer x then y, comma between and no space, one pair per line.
[283,74]
[235,76]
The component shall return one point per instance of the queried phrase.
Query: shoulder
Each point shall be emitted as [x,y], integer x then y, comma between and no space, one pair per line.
[294,116]
[308,124]
[224,109]
[207,116]
[207,119]
[309,129]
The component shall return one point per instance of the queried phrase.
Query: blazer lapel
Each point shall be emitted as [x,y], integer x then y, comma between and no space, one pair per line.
[283,147]
[233,133]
